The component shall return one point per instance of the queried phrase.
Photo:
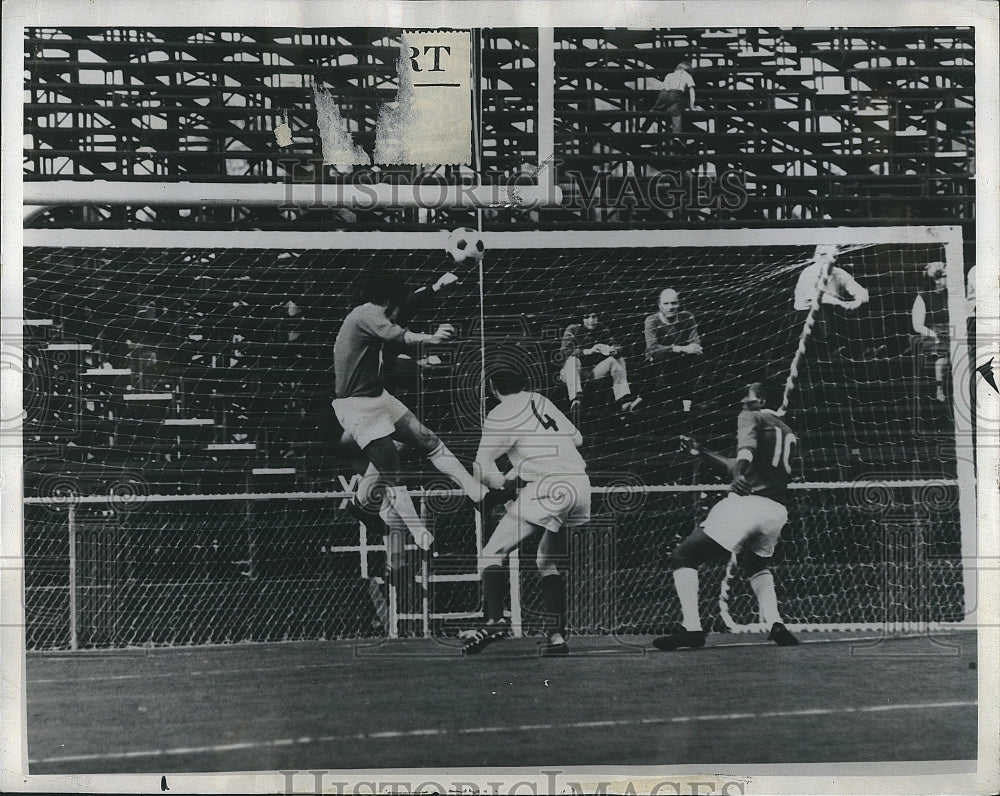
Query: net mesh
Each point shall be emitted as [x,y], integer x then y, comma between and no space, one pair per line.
[214,571]
[202,371]
[152,357]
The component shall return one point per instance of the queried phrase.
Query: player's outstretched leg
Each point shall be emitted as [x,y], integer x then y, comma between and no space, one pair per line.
[412,431]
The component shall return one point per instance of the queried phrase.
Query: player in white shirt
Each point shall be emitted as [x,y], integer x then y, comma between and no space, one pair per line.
[542,446]
[840,289]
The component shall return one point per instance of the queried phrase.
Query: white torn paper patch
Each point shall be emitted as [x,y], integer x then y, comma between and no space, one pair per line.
[338,148]
[283,134]
[430,123]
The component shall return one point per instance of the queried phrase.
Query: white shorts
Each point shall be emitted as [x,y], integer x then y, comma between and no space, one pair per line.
[739,521]
[553,501]
[368,419]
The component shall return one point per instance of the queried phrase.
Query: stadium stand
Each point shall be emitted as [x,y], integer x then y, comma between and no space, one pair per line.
[824,125]
[116,105]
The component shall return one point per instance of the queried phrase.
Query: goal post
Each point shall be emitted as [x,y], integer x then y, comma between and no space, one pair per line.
[882,529]
[427,192]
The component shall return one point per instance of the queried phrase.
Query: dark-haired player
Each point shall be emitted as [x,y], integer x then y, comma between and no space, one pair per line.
[541,443]
[747,522]
[373,418]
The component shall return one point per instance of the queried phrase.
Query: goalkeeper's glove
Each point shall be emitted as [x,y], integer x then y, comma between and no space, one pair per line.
[444,280]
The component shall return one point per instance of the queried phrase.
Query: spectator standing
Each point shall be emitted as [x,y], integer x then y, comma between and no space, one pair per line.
[676,93]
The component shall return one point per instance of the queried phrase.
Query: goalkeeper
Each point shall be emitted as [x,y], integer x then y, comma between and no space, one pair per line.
[374,419]
[747,522]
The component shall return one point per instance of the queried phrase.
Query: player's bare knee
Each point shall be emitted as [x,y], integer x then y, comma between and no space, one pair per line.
[427,441]
[754,564]
[697,549]
[417,434]
[680,559]
[383,454]
[547,563]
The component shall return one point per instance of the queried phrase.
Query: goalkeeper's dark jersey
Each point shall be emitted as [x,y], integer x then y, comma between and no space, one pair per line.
[774,449]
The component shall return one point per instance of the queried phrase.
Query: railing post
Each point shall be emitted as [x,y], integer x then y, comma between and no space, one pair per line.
[71,524]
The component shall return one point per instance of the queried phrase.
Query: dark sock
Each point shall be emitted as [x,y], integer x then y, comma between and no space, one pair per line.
[368,517]
[554,603]
[494,591]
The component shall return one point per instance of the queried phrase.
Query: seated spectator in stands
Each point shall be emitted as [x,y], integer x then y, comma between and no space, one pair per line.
[831,330]
[677,87]
[673,351]
[591,353]
[930,321]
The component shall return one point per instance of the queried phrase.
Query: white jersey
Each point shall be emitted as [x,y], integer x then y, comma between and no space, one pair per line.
[840,286]
[538,439]
[677,80]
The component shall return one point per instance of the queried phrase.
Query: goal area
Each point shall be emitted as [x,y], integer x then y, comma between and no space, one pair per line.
[180,488]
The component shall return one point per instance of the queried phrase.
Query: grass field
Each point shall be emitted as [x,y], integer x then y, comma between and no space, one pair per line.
[419,704]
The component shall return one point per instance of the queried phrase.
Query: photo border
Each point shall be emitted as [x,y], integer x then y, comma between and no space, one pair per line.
[941,776]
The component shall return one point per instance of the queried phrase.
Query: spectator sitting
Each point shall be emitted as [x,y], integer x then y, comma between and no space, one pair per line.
[591,353]
[840,290]
[673,347]
[930,321]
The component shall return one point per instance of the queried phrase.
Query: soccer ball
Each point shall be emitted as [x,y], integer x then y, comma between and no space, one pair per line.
[464,244]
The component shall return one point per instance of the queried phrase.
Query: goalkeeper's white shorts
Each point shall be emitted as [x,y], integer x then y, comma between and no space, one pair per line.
[751,521]
[368,419]
[553,502]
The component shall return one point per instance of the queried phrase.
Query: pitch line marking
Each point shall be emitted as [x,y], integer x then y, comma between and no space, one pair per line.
[393,734]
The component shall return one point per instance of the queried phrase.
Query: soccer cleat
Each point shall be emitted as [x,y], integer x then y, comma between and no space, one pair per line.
[680,639]
[480,639]
[782,636]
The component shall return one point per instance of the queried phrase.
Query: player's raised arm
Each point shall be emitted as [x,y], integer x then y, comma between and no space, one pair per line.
[491,447]
[858,294]
[427,296]
[692,446]
[443,334]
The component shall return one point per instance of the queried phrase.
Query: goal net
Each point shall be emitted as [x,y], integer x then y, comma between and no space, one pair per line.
[159,377]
